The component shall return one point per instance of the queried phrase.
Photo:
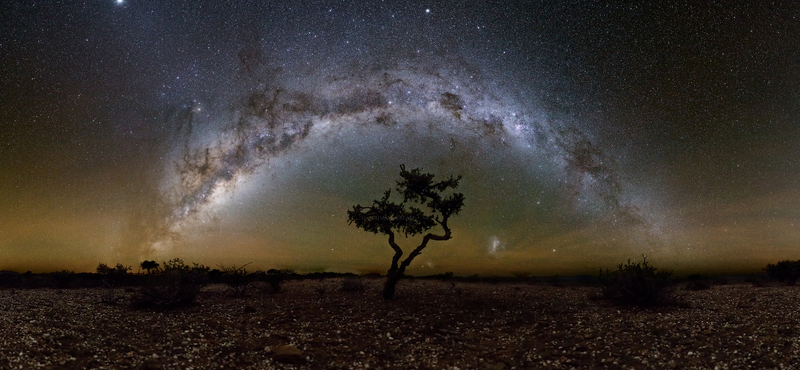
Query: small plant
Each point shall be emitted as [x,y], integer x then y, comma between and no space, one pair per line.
[236,278]
[176,285]
[276,277]
[636,284]
[320,290]
[784,271]
[108,295]
[352,284]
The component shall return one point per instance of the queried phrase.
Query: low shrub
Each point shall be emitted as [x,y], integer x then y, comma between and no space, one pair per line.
[237,279]
[113,276]
[636,284]
[108,295]
[176,285]
[275,278]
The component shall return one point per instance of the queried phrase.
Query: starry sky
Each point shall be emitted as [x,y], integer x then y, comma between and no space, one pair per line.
[230,132]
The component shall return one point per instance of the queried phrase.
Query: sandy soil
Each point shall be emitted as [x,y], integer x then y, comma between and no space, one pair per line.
[430,325]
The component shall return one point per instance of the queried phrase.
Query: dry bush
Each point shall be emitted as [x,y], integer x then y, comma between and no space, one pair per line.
[176,285]
[237,279]
[636,284]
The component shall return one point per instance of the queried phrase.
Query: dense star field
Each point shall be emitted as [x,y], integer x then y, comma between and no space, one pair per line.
[228,132]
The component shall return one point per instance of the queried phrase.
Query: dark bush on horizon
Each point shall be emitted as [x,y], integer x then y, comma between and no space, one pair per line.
[63,279]
[275,278]
[237,279]
[113,276]
[177,284]
[786,271]
[636,284]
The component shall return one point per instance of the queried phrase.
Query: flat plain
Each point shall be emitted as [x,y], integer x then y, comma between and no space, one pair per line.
[429,325]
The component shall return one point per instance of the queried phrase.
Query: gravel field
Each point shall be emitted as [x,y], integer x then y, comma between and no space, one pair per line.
[430,325]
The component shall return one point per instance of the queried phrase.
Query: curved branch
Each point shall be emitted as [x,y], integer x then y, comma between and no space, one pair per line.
[397,253]
[418,250]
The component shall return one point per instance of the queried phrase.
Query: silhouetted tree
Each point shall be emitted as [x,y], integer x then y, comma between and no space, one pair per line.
[150,266]
[784,271]
[388,217]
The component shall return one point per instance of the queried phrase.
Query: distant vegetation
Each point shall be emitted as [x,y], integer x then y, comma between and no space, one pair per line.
[174,283]
[784,271]
[177,284]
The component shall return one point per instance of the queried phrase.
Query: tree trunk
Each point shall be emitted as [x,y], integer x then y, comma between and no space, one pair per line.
[391,281]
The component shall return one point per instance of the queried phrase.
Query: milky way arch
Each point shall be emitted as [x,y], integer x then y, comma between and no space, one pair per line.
[282,109]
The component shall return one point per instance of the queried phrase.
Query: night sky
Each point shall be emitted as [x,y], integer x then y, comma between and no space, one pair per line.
[228,132]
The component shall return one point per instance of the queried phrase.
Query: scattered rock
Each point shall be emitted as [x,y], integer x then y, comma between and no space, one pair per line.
[347,331]
[152,363]
[289,354]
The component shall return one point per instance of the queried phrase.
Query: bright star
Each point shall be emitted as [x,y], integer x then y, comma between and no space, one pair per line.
[120,2]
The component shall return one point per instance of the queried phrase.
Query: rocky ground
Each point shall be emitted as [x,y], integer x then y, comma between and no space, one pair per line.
[430,325]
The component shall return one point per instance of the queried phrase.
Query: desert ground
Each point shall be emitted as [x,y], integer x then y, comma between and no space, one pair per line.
[429,325]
